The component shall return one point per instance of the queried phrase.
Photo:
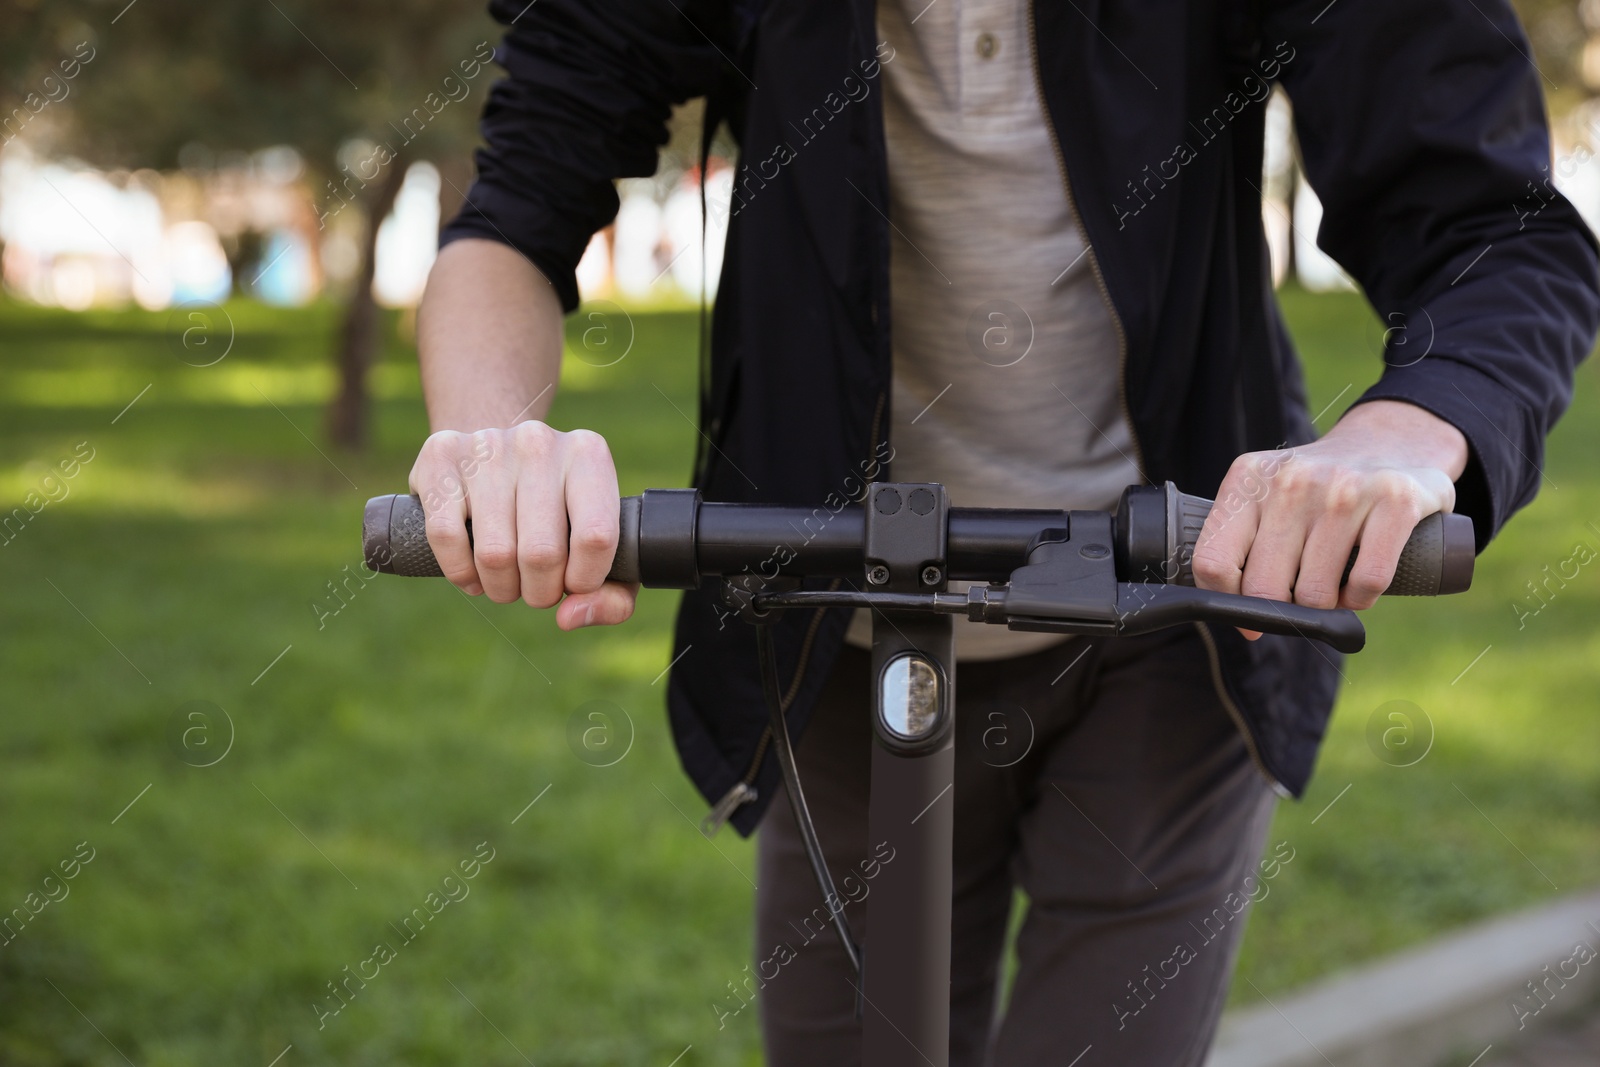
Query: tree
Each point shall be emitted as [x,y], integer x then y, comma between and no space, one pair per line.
[403,79]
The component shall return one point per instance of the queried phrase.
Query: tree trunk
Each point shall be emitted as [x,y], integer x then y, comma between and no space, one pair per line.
[358,334]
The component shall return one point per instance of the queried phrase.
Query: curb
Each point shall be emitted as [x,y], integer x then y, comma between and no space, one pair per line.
[1449,997]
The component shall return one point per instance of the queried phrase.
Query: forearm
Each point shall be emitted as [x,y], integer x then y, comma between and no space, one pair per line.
[488,338]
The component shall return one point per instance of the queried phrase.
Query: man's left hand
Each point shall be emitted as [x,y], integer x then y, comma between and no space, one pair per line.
[1286,520]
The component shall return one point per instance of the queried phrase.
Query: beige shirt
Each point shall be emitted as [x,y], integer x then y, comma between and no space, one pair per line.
[1007,376]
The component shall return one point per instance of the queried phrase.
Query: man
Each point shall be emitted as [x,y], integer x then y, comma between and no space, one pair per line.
[1016,248]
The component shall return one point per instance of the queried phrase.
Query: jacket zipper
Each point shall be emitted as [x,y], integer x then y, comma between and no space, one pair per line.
[744,790]
[1122,387]
[1233,710]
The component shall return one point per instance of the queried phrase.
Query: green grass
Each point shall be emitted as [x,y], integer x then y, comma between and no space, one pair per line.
[387,743]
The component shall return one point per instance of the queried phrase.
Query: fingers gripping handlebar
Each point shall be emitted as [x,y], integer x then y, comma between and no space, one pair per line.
[1158,528]
[394,538]
[1086,572]
[669,538]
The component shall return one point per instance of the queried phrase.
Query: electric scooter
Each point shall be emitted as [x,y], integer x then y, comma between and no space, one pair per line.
[1076,572]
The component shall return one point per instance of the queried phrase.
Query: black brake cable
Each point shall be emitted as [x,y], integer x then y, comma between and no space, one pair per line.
[768,652]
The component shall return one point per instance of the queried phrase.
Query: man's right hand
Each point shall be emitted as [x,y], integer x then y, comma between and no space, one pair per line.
[544,508]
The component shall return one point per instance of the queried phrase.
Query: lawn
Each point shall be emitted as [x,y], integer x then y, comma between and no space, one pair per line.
[269,780]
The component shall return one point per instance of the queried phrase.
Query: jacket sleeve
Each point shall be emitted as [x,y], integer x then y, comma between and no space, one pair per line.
[1422,129]
[589,87]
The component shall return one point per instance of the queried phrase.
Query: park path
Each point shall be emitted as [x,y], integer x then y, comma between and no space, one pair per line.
[1573,1043]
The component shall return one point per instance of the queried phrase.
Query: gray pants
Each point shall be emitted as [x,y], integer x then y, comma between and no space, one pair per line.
[1105,780]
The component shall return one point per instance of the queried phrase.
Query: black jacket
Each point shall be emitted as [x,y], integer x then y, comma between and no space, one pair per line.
[1421,126]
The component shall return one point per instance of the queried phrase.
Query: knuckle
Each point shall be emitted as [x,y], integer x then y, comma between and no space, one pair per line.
[597,536]
[1267,466]
[1247,462]
[1396,487]
[540,597]
[495,555]
[449,542]
[541,555]
[1245,467]
[532,439]
[1258,587]
[1345,493]
[1368,583]
[1315,594]
[1212,569]
[479,448]
[588,441]
[444,442]
[1295,483]
[1391,483]
[460,577]
[444,530]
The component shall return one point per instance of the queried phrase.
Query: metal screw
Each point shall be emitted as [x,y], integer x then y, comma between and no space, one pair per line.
[878,574]
[930,575]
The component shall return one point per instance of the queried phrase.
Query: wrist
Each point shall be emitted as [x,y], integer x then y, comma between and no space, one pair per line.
[1412,436]
[489,338]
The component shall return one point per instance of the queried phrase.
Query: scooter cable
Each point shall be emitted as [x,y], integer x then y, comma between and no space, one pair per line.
[767,649]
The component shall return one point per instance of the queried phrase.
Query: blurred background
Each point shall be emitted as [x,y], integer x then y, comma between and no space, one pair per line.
[260,808]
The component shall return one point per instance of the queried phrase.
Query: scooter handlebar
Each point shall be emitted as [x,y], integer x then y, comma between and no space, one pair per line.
[669,538]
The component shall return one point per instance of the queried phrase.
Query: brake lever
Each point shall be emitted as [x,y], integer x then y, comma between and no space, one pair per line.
[1070,586]
[1143,606]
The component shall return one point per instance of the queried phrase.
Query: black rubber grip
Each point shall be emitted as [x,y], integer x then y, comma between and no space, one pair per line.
[394,539]
[1437,558]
